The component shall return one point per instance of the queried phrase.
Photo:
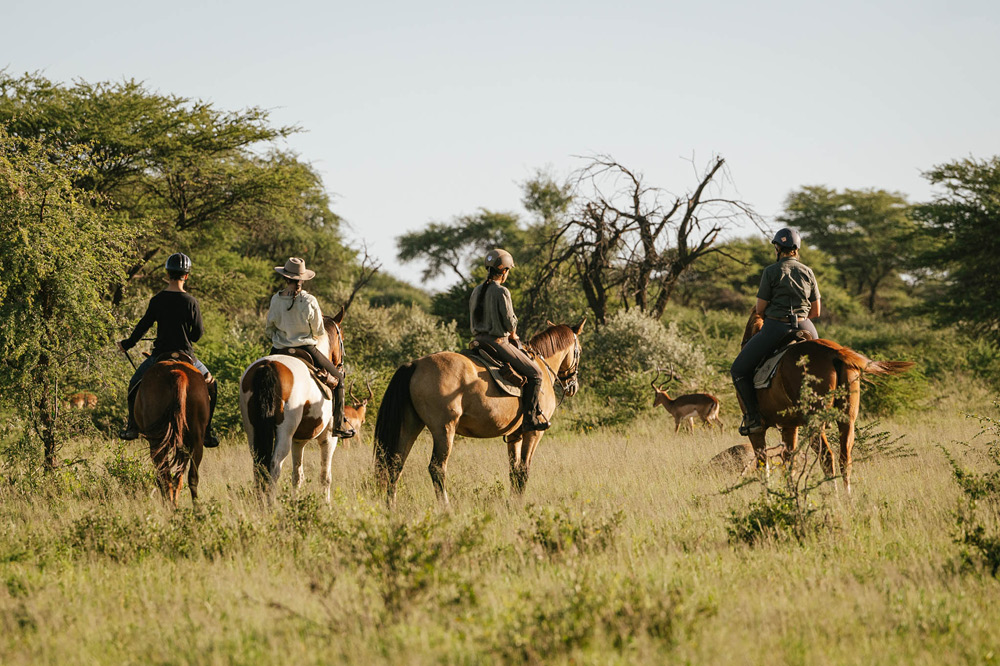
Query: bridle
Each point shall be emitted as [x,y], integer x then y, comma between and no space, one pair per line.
[569,381]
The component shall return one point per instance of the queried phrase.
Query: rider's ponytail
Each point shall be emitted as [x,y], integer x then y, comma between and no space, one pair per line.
[477,310]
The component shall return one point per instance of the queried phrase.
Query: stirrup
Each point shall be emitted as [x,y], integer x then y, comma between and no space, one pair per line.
[344,432]
[128,434]
[211,441]
[751,425]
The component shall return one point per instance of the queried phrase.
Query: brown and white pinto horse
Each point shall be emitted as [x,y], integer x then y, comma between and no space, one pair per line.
[451,394]
[833,366]
[283,409]
[171,410]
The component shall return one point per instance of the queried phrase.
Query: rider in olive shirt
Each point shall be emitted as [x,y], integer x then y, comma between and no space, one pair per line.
[788,298]
[494,327]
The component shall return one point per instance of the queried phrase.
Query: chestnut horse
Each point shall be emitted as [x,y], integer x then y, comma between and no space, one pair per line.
[833,366]
[283,409]
[171,410]
[451,394]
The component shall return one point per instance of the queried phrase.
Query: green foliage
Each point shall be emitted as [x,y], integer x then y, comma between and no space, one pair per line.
[977,520]
[546,625]
[962,231]
[133,473]
[383,338]
[869,442]
[568,530]
[62,254]
[632,342]
[870,234]
[403,561]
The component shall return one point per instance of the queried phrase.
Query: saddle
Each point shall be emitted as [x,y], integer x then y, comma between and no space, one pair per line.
[183,357]
[509,381]
[765,371]
[319,375]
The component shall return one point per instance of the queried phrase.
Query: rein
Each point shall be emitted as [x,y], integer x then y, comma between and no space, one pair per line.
[562,383]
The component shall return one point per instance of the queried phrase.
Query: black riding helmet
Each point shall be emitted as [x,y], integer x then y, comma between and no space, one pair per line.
[179,263]
[787,239]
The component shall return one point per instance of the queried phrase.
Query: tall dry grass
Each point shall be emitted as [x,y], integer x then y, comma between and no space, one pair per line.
[617,553]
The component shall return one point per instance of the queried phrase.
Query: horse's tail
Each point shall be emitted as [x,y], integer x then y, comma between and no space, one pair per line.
[263,408]
[170,428]
[395,403]
[865,365]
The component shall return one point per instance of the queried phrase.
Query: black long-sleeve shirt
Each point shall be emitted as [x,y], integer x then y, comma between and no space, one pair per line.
[178,323]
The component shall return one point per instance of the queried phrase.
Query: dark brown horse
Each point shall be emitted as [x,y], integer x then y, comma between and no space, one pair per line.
[451,394]
[834,367]
[171,410]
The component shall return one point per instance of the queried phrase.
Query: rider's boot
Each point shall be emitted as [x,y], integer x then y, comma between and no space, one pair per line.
[342,428]
[211,441]
[752,424]
[533,417]
[131,430]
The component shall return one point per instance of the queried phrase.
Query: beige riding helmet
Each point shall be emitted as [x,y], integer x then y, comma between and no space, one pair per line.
[498,258]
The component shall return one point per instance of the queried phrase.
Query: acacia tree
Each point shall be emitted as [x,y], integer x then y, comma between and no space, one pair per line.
[870,234]
[61,252]
[962,223]
[184,174]
[625,243]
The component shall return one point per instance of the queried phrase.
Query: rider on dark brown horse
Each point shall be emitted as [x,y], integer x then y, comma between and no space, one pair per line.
[295,321]
[178,324]
[787,299]
[494,327]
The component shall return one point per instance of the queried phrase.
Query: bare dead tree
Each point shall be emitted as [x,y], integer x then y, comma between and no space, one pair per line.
[369,267]
[622,239]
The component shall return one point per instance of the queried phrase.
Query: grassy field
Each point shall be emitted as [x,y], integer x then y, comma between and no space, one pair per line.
[618,553]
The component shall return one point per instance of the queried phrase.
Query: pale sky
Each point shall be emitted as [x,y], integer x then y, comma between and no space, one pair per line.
[420,111]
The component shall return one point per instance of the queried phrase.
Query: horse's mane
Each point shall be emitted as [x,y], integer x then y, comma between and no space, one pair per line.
[754,324]
[552,340]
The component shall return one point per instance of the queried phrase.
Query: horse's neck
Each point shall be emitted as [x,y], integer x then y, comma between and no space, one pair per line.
[555,361]
[323,344]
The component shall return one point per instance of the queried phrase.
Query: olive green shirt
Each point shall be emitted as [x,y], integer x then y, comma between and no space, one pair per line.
[498,318]
[788,286]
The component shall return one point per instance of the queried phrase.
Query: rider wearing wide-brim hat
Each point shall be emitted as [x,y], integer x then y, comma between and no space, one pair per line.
[177,316]
[494,327]
[788,299]
[295,321]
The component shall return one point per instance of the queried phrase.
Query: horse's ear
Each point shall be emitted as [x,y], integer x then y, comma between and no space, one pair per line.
[548,322]
[579,327]
[339,317]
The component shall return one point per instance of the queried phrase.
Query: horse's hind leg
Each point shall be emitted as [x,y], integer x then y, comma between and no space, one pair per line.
[193,472]
[408,434]
[444,439]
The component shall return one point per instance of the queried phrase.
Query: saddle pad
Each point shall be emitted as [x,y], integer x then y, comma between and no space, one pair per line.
[764,373]
[307,360]
[494,371]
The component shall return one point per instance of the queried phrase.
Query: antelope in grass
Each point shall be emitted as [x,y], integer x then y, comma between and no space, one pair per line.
[355,412]
[686,407]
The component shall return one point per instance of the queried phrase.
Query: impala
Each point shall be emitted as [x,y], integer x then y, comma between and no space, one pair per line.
[686,407]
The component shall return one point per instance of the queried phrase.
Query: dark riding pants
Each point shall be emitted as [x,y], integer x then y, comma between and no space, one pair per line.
[756,350]
[505,352]
[324,362]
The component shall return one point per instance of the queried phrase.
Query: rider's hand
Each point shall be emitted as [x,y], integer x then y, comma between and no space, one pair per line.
[513,336]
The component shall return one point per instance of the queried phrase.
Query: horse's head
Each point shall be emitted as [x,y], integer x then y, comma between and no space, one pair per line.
[754,324]
[561,343]
[335,337]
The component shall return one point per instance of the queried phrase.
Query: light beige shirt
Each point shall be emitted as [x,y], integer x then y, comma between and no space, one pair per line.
[301,325]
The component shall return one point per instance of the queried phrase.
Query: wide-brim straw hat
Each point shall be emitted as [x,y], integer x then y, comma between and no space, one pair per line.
[295,269]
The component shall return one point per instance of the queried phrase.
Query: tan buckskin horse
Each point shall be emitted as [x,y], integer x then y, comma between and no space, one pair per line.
[283,409]
[834,366]
[171,410]
[451,394]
